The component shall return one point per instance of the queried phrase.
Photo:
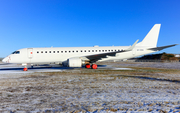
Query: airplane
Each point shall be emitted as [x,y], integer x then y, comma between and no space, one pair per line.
[88,56]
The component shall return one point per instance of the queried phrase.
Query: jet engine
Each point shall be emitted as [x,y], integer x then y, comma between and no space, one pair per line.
[74,62]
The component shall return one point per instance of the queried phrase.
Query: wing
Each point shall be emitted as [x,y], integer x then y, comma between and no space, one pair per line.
[162,47]
[96,57]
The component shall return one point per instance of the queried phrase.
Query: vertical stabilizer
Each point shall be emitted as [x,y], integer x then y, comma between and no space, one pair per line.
[152,37]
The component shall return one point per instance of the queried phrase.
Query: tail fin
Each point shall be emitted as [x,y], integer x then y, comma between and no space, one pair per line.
[152,37]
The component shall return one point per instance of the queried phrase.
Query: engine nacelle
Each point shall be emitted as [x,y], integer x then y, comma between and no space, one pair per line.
[74,62]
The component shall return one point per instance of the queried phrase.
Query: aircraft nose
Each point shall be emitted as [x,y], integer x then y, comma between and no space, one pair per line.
[4,60]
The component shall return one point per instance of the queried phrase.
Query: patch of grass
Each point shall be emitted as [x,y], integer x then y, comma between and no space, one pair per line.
[9,95]
[77,76]
[109,73]
[155,70]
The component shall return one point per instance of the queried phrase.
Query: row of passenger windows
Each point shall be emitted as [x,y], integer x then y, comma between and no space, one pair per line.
[78,51]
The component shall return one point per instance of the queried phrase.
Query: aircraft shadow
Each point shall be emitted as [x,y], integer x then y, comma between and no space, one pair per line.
[153,79]
[35,68]
[43,67]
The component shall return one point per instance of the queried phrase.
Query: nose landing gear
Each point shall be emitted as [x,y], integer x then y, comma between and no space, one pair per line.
[25,69]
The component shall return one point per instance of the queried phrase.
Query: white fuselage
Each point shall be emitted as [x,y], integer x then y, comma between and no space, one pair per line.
[61,54]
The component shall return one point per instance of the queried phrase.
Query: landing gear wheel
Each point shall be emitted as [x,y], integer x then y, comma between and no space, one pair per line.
[94,66]
[25,69]
[88,66]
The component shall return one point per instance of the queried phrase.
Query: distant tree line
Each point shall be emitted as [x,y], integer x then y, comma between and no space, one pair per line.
[161,56]
[166,56]
[1,59]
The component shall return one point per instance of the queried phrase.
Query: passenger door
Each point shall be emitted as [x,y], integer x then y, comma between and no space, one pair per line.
[30,53]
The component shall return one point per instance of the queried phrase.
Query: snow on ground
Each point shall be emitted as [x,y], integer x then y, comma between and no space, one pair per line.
[75,90]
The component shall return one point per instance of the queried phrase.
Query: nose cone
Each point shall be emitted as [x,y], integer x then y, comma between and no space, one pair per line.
[4,60]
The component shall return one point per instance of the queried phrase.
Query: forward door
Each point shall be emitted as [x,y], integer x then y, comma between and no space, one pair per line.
[30,53]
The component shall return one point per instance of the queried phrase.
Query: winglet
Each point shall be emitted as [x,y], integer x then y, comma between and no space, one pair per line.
[132,47]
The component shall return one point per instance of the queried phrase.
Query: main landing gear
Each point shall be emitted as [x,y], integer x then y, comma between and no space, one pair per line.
[93,66]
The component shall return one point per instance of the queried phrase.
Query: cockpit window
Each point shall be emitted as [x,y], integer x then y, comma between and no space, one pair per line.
[16,52]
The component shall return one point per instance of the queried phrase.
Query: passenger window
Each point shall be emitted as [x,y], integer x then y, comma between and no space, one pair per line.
[54,51]
[61,51]
[49,51]
[45,51]
[76,51]
[69,51]
[65,51]
[37,51]
[41,51]
[89,51]
[57,51]
[92,50]
[84,50]
[99,50]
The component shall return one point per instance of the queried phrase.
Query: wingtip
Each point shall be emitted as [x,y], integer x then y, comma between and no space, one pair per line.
[175,44]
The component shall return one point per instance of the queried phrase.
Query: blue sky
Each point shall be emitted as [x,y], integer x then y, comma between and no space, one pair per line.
[74,23]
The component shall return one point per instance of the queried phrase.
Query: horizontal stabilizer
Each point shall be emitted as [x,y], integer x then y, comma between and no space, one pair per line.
[162,47]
